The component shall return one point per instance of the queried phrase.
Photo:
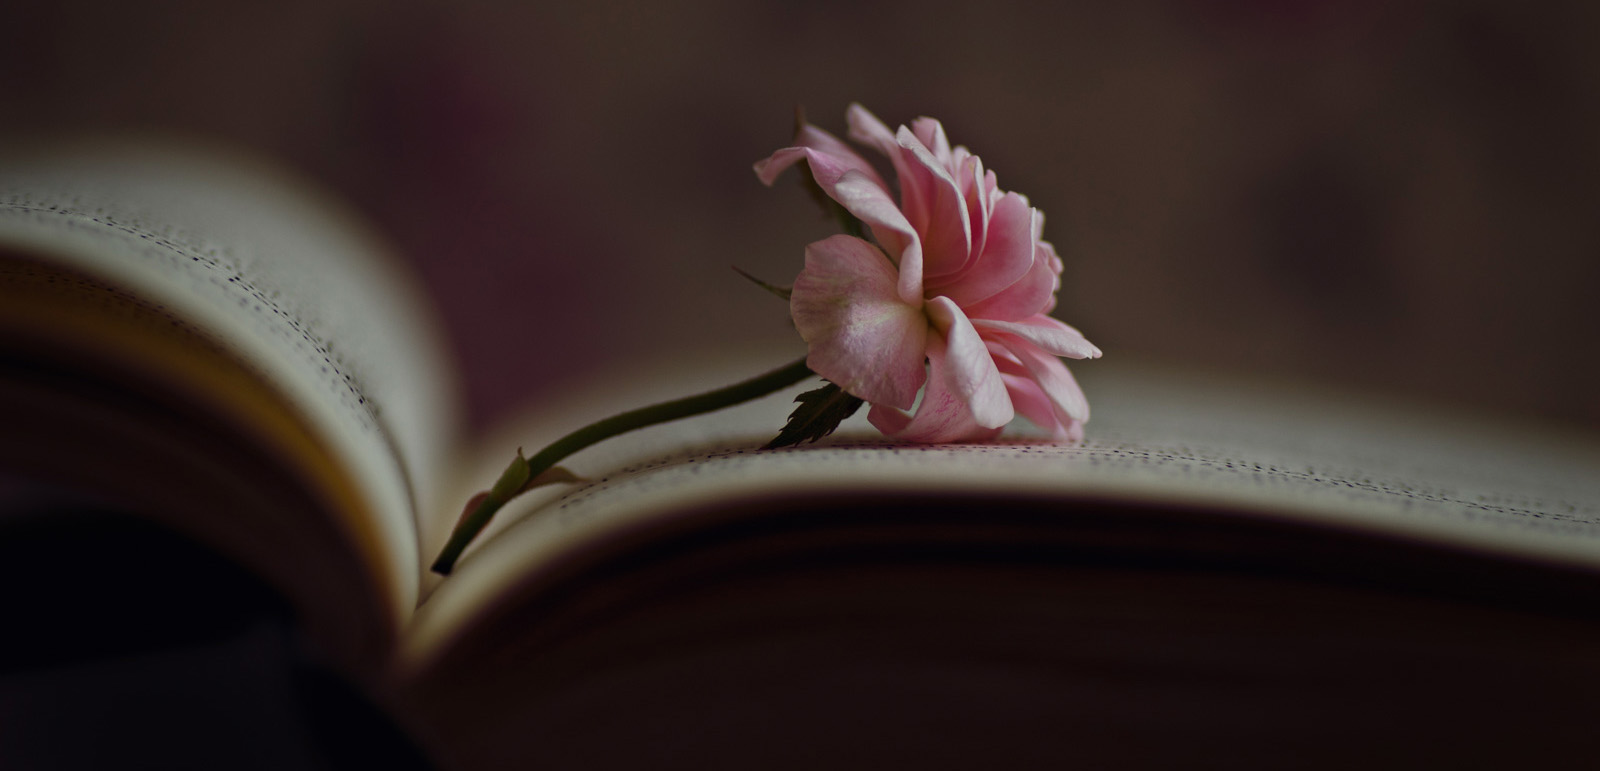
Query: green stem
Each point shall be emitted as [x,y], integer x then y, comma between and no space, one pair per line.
[511,481]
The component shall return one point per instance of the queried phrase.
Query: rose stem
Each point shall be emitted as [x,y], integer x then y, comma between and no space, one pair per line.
[473,523]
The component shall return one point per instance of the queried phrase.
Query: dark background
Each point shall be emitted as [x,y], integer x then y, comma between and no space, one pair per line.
[1391,195]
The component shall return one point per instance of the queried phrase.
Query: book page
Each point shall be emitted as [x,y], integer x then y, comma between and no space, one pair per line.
[1156,436]
[284,278]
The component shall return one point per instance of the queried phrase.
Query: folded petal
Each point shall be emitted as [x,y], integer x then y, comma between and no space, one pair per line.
[1032,294]
[828,158]
[969,178]
[1051,336]
[1048,251]
[969,372]
[859,334]
[1032,403]
[1008,254]
[870,203]
[868,130]
[828,155]
[1052,376]
[824,142]
[931,133]
[933,203]
[943,415]
[847,178]
[930,200]
[865,194]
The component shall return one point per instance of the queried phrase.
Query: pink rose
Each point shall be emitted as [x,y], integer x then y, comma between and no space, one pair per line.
[954,294]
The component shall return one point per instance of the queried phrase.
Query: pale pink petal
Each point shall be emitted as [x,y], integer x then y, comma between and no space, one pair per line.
[822,141]
[888,420]
[852,182]
[969,177]
[943,415]
[1007,256]
[1030,295]
[826,169]
[1052,376]
[768,168]
[868,130]
[1048,334]
[931,133]
[1032,403]
[934,205]
[921,192]
[1030,400]
[1048,252]
[832,164]
[873,206]
[961,164]
[828,158]
[970,371]
[916,185]
[859,334]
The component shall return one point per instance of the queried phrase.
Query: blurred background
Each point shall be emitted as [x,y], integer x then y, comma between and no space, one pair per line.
[1388,195]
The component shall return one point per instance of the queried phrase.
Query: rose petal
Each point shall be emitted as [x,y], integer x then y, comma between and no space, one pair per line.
[828,158]
[1048,252]
[868,130]
[872,205]
[927,195]
[1032,294]
[970,371]
[859,334]
[824,142]
[1007,256]
[934,205]
[1046,333]
[943,415]
[931,133]
[1052,376]
[969,177]
[1031,402]
[851,181]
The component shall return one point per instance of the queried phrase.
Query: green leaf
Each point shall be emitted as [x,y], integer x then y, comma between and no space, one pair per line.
[820,412]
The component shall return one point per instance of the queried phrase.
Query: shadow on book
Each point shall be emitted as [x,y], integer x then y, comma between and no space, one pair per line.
[128,645]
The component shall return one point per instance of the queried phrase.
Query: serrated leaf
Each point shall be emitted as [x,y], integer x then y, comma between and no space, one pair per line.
[781,291]
[820,412]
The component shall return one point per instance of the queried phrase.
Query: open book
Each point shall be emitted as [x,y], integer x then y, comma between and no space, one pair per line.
[1222,569]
